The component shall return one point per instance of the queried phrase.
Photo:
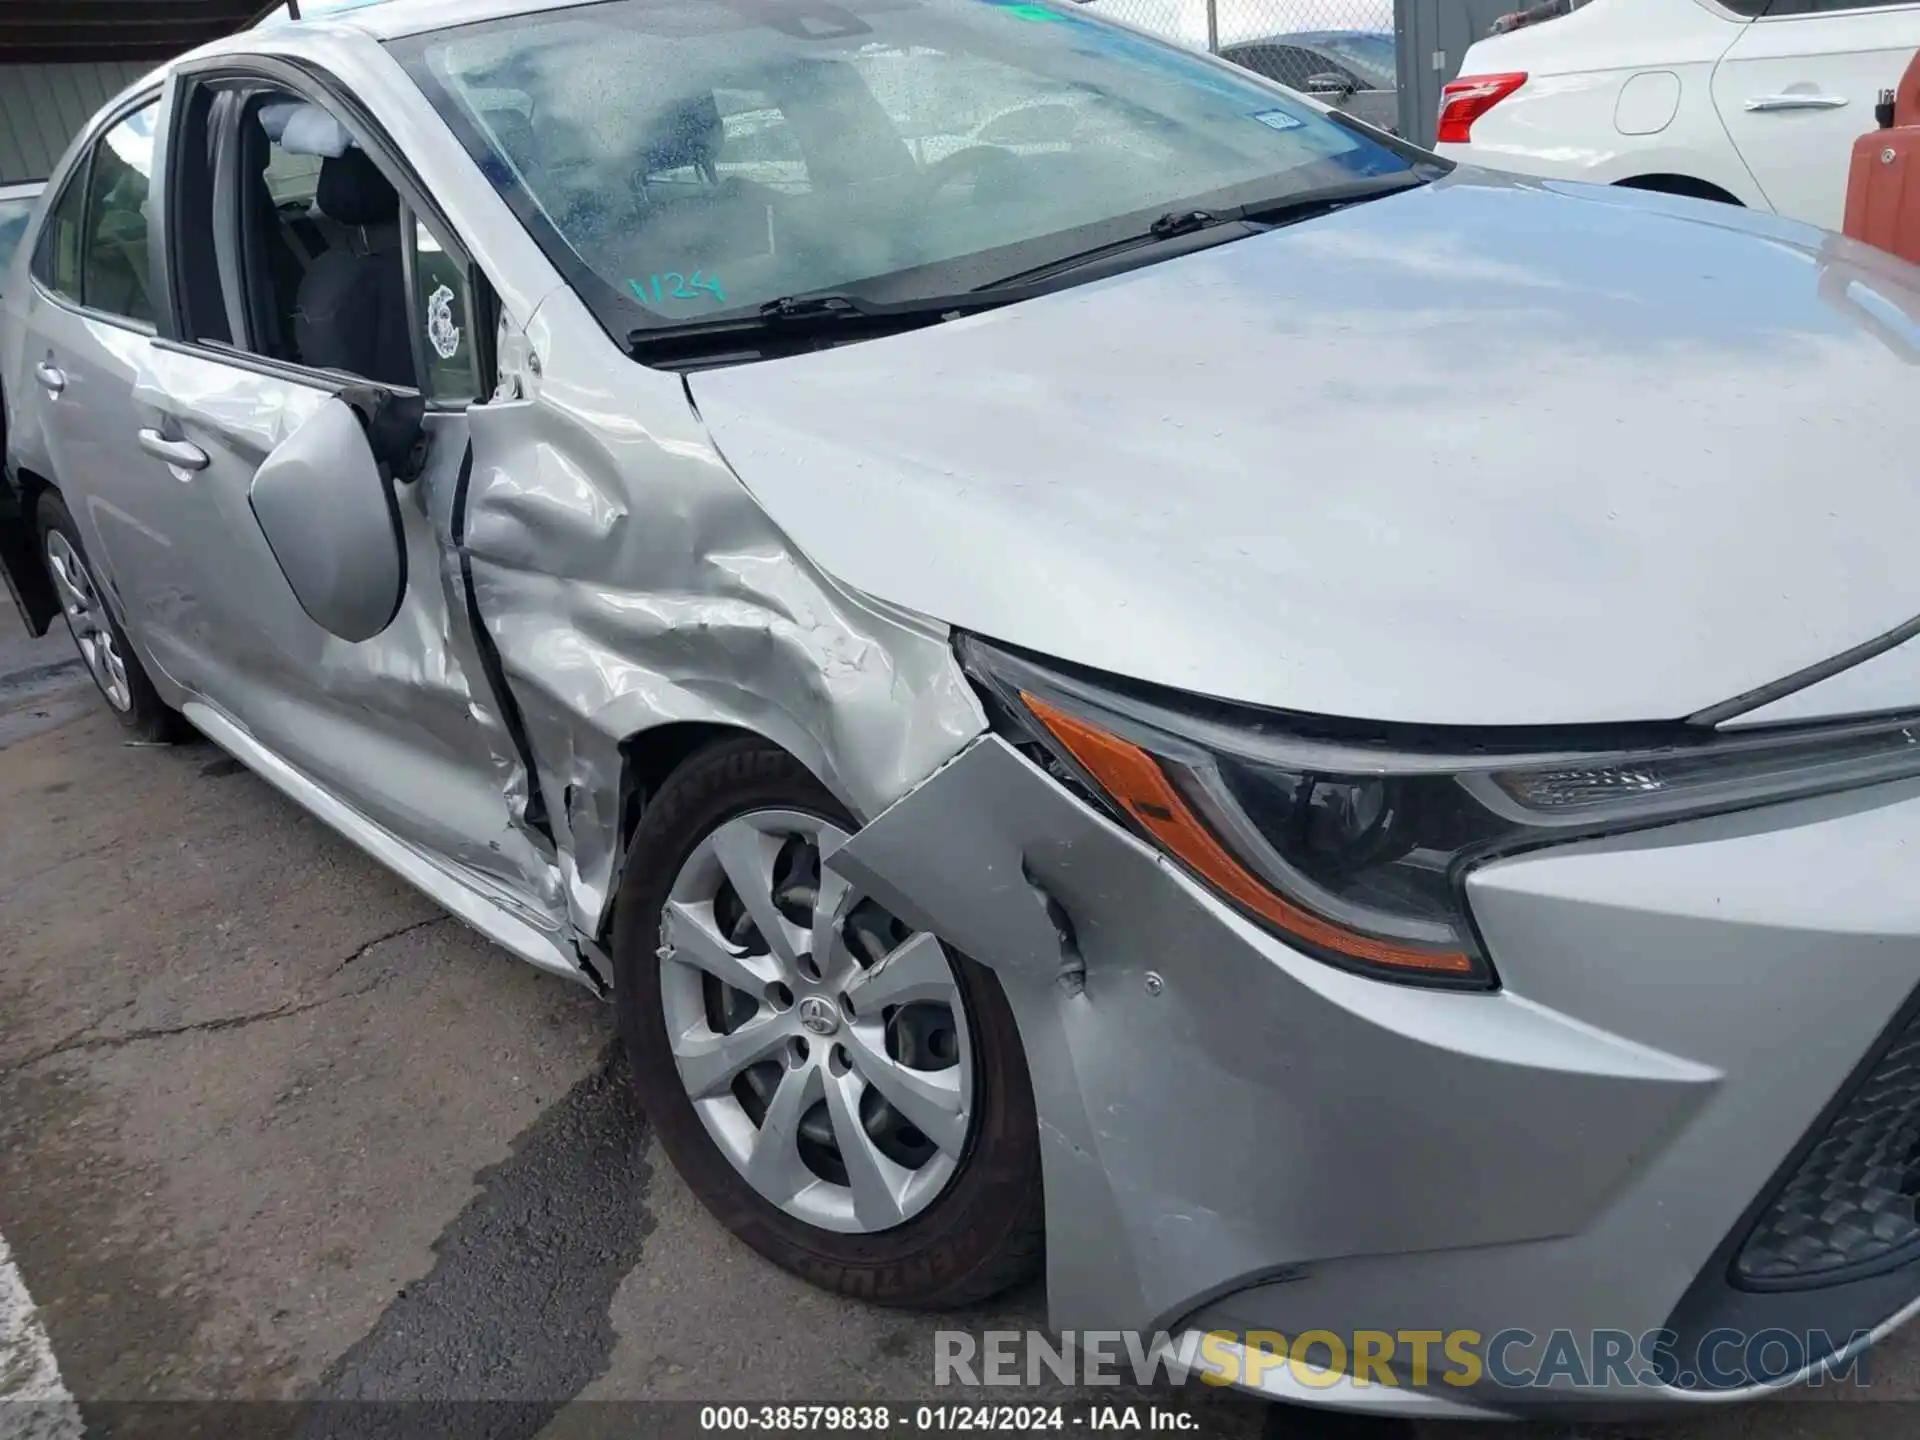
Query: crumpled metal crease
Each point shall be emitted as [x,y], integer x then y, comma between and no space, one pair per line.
[629,580]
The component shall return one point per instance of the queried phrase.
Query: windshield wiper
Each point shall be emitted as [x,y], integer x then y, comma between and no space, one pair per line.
[1251,218]
[1174,225]
[1286,209]
[789,322]
[792,318]
[1182,222]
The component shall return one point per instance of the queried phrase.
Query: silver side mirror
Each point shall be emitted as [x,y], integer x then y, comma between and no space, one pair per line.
[331,520]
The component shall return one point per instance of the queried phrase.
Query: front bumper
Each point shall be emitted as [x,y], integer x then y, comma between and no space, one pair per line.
[1237,1137]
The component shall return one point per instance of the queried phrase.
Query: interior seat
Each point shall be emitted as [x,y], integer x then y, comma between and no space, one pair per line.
[352,312]
[723,217]
[285,267]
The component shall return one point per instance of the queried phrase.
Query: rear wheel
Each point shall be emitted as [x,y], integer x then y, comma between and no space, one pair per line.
[116,670]
[845,1094]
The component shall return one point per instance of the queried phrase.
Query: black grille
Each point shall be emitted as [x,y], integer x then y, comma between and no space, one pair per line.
[1853,1207]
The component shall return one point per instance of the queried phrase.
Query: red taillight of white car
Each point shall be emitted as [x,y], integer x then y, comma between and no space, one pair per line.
[1466,99]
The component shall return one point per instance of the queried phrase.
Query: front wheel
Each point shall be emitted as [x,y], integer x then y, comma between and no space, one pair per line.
[844,1094]
[102,643]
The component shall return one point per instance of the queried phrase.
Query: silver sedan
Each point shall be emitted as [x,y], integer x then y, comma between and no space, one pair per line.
[1323,738]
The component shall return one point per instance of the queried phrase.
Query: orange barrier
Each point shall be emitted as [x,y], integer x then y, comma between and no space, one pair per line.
[1883,186]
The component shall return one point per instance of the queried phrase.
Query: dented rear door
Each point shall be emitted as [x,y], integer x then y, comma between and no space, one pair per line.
[403,726]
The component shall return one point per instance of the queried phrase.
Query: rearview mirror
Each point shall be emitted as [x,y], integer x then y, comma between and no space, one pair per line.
[331,520]
[1329,82]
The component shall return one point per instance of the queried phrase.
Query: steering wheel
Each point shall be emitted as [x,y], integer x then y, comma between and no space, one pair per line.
[983,165]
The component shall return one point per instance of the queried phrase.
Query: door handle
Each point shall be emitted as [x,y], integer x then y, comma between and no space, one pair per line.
[181,453]
[1762,103]
[50,376]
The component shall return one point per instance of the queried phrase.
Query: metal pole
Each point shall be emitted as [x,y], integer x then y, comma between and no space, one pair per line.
[1213,26]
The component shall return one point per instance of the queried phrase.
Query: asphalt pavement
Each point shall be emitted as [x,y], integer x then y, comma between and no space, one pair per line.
[277,1136]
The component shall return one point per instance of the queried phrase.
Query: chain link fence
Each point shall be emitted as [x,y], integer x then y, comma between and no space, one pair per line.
[1341,51]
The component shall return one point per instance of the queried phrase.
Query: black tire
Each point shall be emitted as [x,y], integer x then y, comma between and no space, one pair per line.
[984,1233]
[146,717]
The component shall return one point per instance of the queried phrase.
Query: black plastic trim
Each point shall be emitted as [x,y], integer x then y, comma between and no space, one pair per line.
[1840,1303]
[333,381]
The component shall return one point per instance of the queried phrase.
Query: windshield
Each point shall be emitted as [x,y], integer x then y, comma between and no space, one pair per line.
[681,158]
[14,214]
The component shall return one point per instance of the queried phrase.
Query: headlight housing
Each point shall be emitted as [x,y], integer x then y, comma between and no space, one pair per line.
[1353,842]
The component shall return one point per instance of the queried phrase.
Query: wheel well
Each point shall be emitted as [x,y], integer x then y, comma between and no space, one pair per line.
[647,760]
[653,755]
[20,553]
[32,486]
[1681,185]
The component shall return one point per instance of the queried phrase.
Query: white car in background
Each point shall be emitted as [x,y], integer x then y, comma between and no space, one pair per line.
[1752,101]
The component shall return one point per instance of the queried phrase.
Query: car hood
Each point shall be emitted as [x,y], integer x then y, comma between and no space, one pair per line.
[1490,452]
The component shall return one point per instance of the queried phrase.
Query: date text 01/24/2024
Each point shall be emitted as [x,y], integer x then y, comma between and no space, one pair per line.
[943,1419]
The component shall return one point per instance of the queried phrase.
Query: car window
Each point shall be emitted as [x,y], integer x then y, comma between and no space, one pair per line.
[293,180]
[446,319]
[322,264]
[56,260]
[14,214]
[680,157]
[116,266]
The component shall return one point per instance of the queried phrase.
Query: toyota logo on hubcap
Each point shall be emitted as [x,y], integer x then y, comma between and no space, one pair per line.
[818,1015]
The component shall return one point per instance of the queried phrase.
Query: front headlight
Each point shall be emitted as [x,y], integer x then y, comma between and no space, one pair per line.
[1352,842]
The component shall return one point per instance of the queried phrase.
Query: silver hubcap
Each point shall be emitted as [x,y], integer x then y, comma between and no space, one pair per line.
[823,1044]
[87,619]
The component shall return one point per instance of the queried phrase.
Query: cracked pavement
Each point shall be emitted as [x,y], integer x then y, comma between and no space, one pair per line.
[274,1127]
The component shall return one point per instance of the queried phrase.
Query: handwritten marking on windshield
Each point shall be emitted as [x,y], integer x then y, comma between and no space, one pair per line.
[675,286]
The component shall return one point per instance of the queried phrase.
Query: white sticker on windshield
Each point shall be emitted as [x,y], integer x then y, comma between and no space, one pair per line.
[442,333]
[1276,119]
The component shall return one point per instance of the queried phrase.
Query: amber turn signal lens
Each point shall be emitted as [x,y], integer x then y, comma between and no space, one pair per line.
[1135,780]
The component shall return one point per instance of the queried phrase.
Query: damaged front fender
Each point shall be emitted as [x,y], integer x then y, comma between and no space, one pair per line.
[1217,1110]
[630,581]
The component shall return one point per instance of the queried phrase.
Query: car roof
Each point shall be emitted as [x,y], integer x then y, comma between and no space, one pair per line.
[390,19]
[378,20]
